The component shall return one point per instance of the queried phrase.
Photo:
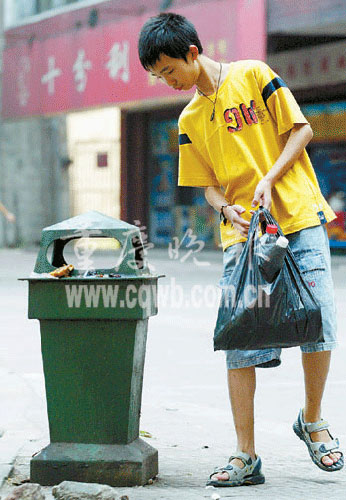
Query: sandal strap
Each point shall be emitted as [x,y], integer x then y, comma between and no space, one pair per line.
[244,457]
[321,425]
[325,448]
[226,468]
[318,450]
[234,470]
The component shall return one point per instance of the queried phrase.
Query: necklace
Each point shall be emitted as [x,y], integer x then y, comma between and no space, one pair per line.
[217,90]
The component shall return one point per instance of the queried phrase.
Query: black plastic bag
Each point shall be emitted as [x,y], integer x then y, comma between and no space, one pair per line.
[255,314]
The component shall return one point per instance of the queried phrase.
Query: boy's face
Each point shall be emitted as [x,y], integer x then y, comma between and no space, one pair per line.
[177,73]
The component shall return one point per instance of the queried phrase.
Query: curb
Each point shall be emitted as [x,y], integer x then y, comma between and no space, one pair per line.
[10,446]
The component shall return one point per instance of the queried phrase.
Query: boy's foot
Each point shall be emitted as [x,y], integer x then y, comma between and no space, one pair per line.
[323,449]
[325,437]
[242,470]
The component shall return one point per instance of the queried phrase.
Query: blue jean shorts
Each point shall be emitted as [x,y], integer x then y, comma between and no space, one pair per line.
[310,247]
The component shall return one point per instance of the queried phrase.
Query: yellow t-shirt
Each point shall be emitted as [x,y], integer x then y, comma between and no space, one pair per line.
[254,114]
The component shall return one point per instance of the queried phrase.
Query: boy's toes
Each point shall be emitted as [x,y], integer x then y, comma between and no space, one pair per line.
[220,476]
[327,460]
[335,457]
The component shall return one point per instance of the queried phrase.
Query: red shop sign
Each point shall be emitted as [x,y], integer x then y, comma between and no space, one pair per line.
[99,66]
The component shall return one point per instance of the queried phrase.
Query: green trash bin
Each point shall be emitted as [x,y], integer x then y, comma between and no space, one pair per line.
[93,339]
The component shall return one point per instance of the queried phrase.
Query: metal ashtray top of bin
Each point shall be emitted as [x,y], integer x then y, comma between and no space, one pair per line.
[106,293]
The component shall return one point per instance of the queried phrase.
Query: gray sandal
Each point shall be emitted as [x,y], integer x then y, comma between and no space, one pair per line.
[249,475]
[318,450]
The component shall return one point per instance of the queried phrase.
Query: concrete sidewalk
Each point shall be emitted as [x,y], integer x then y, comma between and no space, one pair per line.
[185,403]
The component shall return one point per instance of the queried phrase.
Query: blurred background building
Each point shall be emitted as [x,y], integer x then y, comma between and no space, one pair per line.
[84,127]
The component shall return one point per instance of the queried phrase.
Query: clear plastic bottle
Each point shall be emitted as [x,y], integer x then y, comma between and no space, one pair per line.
[270,236]
[272,253]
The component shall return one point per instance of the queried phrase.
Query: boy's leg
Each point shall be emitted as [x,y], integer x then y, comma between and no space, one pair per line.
[316,367]
[241,376]
[311,249]
[242,385]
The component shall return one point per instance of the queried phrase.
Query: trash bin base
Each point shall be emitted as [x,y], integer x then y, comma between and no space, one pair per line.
[113,464]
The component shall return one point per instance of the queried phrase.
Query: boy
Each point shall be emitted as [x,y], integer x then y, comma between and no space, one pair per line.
[242,138]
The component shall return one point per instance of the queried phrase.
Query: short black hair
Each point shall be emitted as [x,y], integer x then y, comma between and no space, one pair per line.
[167,33]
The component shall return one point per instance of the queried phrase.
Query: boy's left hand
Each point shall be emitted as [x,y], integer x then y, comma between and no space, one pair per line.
[263,194]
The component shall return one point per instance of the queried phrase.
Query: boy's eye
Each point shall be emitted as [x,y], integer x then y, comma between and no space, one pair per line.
[169,72]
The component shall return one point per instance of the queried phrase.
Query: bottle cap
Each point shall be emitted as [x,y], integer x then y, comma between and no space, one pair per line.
[282,242]
[271,229]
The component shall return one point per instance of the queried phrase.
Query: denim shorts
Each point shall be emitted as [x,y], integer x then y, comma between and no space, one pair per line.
[310,247]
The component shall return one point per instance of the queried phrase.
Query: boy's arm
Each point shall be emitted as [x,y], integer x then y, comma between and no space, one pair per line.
[300,136]
[216,199]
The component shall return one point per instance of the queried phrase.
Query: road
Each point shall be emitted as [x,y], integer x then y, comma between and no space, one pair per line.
[185,404]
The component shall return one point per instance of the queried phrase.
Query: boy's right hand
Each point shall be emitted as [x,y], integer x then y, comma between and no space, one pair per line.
[233,214]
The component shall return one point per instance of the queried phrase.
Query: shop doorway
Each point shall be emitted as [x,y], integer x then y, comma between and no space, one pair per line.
[151,198]
[176,213]
[94,148]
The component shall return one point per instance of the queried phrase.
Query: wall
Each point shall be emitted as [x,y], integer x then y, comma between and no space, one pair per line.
[33,179]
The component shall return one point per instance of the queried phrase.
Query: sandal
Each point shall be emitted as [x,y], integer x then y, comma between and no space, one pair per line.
[250,474]
[318,450]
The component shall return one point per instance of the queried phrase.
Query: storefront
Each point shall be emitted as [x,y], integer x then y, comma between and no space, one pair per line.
[324,106]
[328,155]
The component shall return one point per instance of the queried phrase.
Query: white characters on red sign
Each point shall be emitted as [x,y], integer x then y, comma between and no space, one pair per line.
[119,62]
[24,69]
[49,77]
[80,68]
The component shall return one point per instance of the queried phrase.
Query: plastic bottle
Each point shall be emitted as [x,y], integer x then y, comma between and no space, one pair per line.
[270,235]
[272,253]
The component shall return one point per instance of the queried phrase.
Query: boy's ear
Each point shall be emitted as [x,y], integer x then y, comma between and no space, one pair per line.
[194,52]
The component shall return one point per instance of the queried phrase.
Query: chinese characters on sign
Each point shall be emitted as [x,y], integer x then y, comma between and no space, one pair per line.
[59,75]
[22,84]
[217,49]
[117,65]
[119,61]
[55,72]
[80,68]
[49,77]
[306,68]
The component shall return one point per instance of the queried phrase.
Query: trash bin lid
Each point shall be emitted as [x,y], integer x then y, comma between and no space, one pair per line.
[93,224]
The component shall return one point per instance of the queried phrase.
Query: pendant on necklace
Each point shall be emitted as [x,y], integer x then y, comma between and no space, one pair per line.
[212,115]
